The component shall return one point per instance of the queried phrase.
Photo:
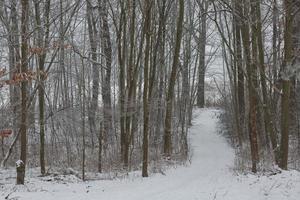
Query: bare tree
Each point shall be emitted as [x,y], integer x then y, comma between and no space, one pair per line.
[171,85]
[24,65]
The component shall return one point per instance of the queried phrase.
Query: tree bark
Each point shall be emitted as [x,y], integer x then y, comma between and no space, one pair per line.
[146,91]
[269,128]
[170,92]
[240,71]
[24,64]
[202,45]
[43,39]
[285,98]
[251,72]
[93,33]
[106,86]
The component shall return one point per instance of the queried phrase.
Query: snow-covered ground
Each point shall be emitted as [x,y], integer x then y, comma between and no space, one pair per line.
[209,177]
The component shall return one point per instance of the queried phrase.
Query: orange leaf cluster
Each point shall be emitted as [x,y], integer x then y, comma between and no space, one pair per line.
[55,45]
[24,76]
[37,50]
[20,77]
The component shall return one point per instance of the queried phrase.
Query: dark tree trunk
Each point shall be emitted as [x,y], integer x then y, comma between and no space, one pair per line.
[93,33]
[24,64]
[106,86]
[146,92]
[43,39]
[285,99]
[170,92]
[202,45]
[251,72]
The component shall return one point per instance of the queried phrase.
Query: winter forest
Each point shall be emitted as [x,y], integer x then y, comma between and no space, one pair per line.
[150,99]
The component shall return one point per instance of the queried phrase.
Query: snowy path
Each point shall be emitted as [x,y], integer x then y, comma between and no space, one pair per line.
[208,177]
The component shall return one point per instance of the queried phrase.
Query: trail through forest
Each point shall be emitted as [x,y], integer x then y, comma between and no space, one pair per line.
[209,176]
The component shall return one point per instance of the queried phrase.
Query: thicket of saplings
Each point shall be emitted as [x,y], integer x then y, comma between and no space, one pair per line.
[266,156]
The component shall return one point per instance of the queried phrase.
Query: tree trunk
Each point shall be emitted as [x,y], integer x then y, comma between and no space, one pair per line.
[147,30]
[285,99]
[240,71]
[24,64]
[202,45]
[269,128]
[170,92]
[43,38]
[93,107]
[121,57]
[251,72]
[106,86]
[15,61]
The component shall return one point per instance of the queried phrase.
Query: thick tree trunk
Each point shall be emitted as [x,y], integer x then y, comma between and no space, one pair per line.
[131,77]
[202,45]
[106,86]
[251,72]
[43,38]
[161,63]
[240,71]
[14,48]
[285,99]
[170,92]
[296,48]
[93,107]
[147,30]
[24,64]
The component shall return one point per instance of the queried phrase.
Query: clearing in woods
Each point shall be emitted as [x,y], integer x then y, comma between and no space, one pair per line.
[208,177]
